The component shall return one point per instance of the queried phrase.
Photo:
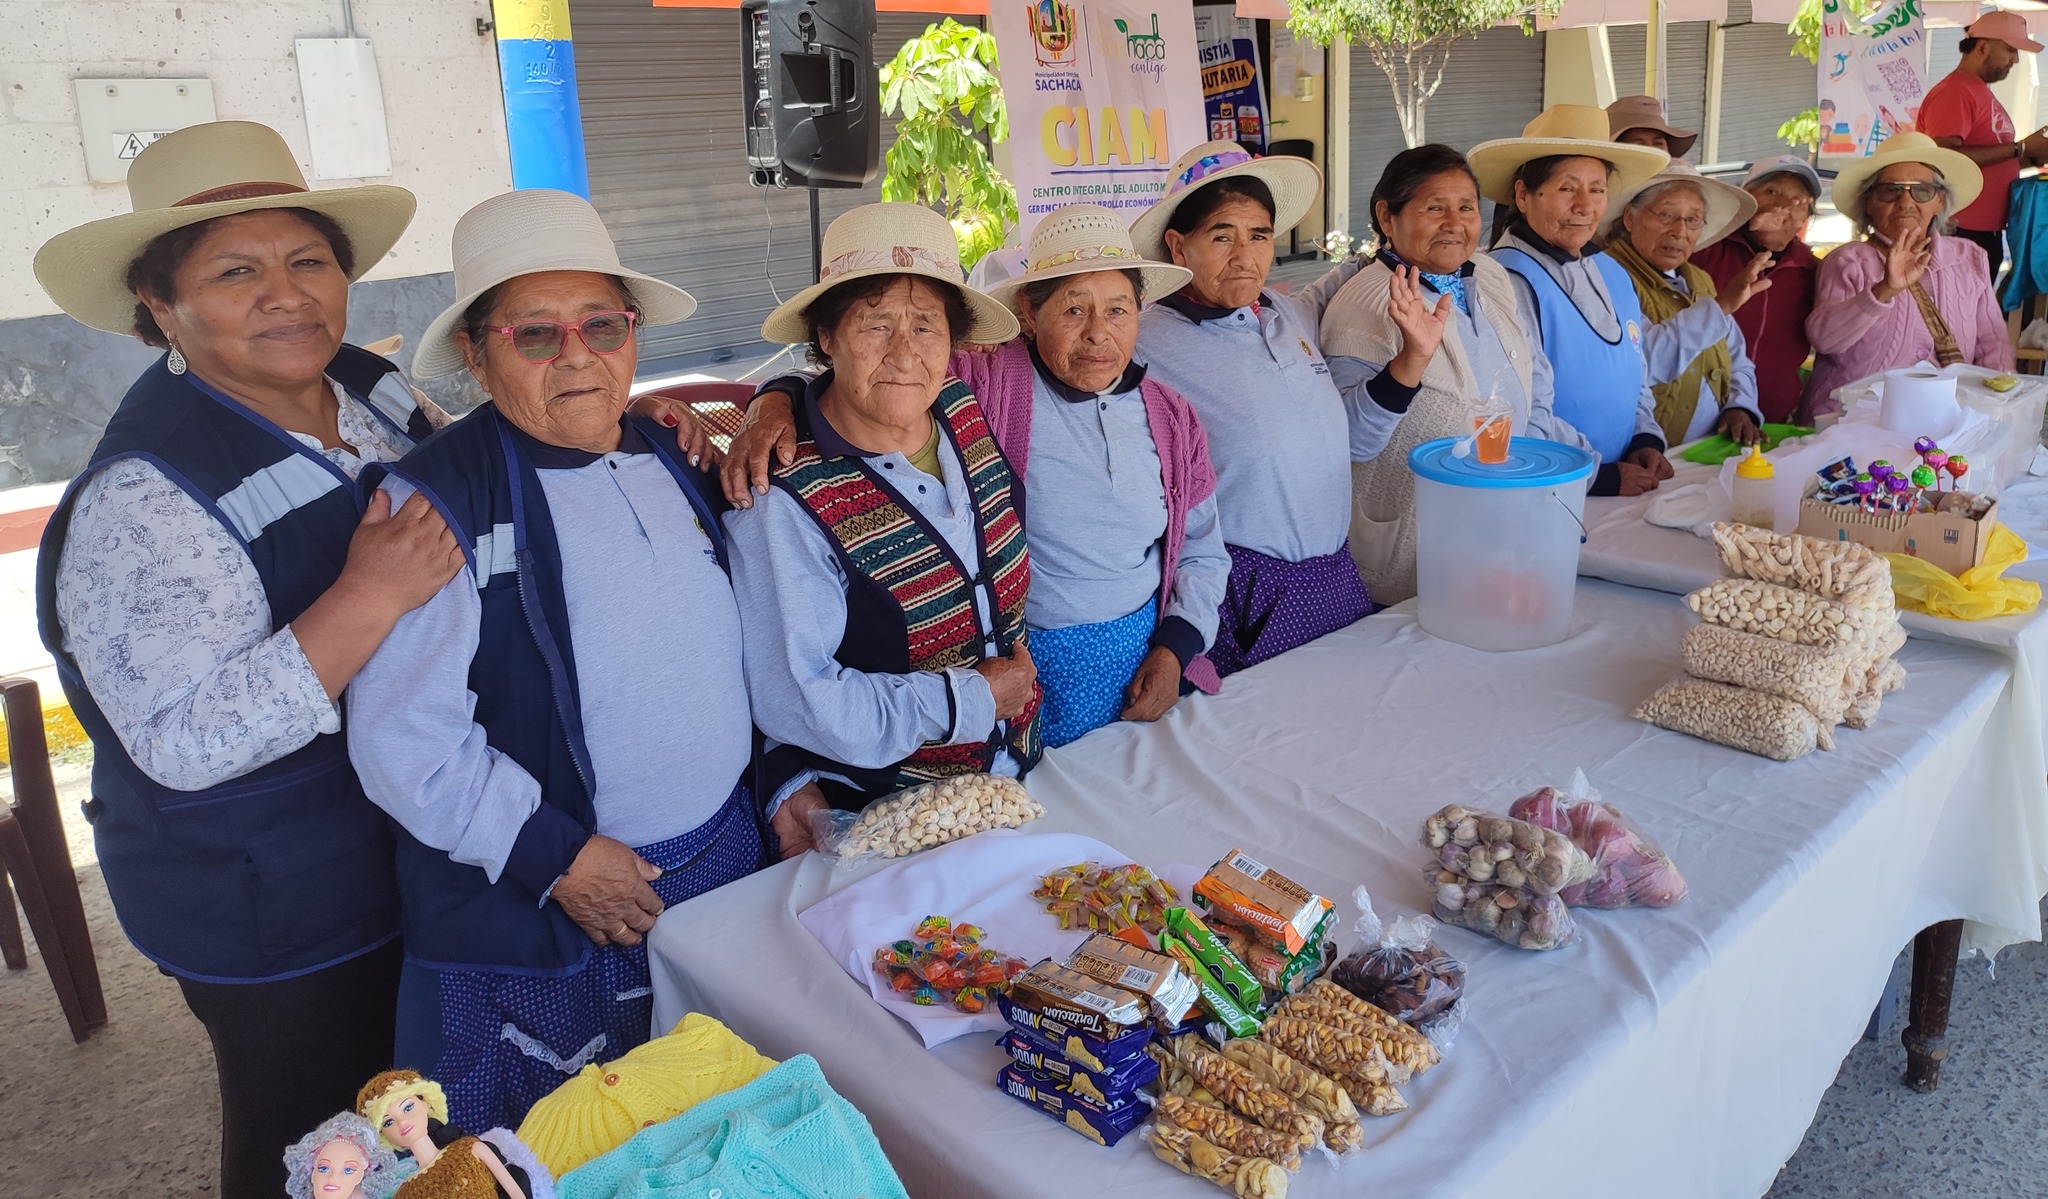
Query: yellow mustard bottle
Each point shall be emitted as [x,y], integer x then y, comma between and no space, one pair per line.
[1755,491]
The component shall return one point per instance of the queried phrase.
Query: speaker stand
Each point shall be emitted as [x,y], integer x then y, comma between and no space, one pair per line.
[817,238]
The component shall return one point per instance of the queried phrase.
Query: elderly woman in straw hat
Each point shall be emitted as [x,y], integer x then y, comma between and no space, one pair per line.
[1249,361]
[882,576]
[1554,184]
[1698,360]
[556,779]
[208,586]
[1908,292]
[1128,565]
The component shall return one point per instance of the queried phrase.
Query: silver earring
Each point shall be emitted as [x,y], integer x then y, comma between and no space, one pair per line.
[177,362]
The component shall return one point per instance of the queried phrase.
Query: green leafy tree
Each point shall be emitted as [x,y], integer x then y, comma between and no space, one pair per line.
[1411,40]
[943,83]
[1803,131]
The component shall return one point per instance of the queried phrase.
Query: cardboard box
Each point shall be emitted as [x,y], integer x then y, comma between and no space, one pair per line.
[1952,537]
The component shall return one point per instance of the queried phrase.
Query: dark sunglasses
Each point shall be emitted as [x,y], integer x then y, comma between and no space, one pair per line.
[542,341]
[1922,193]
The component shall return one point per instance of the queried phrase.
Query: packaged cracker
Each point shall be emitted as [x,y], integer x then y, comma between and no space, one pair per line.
[1099,1054]
[1076,1000]
[1223,966]
[1283,911]
[1277,972]
[1168,990]
[1046,1057]
[1105,1125]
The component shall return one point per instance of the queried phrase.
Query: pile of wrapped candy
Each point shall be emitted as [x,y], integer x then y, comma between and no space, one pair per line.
[941,962]
[1883,487]
[1106,899]
[1802,638]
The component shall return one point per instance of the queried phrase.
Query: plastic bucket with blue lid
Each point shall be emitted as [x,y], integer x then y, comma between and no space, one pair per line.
[1497,547]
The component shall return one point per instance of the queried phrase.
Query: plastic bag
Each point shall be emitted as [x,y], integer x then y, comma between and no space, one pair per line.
[1399,969]
[1515,915]
[1979,593]
[1633,870]
[925,817]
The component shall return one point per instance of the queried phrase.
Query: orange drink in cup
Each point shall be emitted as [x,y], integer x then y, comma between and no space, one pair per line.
[1490,437]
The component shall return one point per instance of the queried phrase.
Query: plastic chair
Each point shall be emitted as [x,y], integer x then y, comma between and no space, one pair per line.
[719,404]
[34,852]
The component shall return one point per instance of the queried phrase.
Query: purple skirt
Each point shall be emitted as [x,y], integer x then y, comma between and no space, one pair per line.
[1272,606]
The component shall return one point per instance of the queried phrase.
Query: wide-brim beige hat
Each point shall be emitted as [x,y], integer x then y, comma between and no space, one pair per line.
[196,174]
[1961,175]
[890,239]
[1294,182]
[1728,207]
[531,232]
[1578,130]
[1647,112]
[1080,239]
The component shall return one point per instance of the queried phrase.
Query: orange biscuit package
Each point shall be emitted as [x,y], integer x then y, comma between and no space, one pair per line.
[1282,910]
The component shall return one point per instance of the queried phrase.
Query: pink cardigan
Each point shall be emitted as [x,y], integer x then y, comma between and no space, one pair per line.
[1002,381]
[1854,336]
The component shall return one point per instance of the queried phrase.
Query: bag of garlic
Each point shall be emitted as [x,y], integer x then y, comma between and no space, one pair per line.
[925,817]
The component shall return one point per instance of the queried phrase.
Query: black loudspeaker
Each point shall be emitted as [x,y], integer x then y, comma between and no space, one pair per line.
[814,112]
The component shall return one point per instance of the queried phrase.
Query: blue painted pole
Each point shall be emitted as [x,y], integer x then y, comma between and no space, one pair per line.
[543,118]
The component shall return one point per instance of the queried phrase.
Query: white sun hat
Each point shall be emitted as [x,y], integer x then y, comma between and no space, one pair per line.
[1728,206]
[890,239]
[1294,182]
[1576,130]
[195,174]
[528,233]
[1083,238]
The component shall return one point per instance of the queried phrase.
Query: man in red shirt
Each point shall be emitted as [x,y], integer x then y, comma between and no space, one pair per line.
[1772,248]
[1961,113]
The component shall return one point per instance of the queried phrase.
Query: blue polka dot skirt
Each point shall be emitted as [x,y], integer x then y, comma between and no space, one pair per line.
[1086,669]
[507,1039]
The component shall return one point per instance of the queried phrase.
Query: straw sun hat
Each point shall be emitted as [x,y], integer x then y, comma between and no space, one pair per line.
[193,175]
[1081,238]
[1574,129]
[890,239]
[527,233]
[1294,182]
[1728,207]
[1961,175]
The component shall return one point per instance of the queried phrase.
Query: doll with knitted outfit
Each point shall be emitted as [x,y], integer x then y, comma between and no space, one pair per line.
[341,1159]
[410,1113]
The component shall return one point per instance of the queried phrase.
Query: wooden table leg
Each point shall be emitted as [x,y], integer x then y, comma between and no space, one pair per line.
[1934,981]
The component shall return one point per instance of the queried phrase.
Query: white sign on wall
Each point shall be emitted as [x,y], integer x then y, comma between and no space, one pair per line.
[1103,96]
[119,118]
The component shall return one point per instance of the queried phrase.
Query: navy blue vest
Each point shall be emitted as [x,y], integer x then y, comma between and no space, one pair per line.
[287,868]
[479,473]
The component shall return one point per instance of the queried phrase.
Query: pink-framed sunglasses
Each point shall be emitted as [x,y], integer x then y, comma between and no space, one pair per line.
[542,341]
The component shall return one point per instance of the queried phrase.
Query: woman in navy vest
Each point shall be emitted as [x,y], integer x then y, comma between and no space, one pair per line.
[208,586]
[559,775]
[1576,303]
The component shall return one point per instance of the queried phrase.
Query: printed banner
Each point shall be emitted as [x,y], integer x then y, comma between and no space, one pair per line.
[1103,96]
[1233,93]
[1872,76]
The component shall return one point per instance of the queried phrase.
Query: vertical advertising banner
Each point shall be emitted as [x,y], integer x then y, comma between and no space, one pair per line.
[1103,96]
[1872,76]
[1233,90]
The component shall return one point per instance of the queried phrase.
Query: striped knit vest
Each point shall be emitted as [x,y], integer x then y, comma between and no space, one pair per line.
[910,600]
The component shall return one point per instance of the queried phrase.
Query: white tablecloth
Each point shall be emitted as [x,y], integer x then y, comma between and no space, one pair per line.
[1679,1053]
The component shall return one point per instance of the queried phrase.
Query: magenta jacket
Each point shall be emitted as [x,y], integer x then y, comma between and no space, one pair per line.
[1854,336]
[1002,381]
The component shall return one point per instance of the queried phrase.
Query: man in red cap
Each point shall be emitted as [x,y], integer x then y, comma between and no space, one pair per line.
[1961,113]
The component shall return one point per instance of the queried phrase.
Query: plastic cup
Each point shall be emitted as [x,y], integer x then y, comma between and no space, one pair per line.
[1490,439]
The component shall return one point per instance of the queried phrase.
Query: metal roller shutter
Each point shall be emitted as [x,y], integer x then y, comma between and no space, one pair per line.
[668,170]
[1944,51]
[1763,85]
[1685,69]
[1492,87]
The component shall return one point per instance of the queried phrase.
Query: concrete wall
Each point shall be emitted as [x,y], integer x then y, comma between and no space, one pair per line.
[443,106]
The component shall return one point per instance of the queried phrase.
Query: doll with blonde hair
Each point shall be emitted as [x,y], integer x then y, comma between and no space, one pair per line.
[410,1113]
